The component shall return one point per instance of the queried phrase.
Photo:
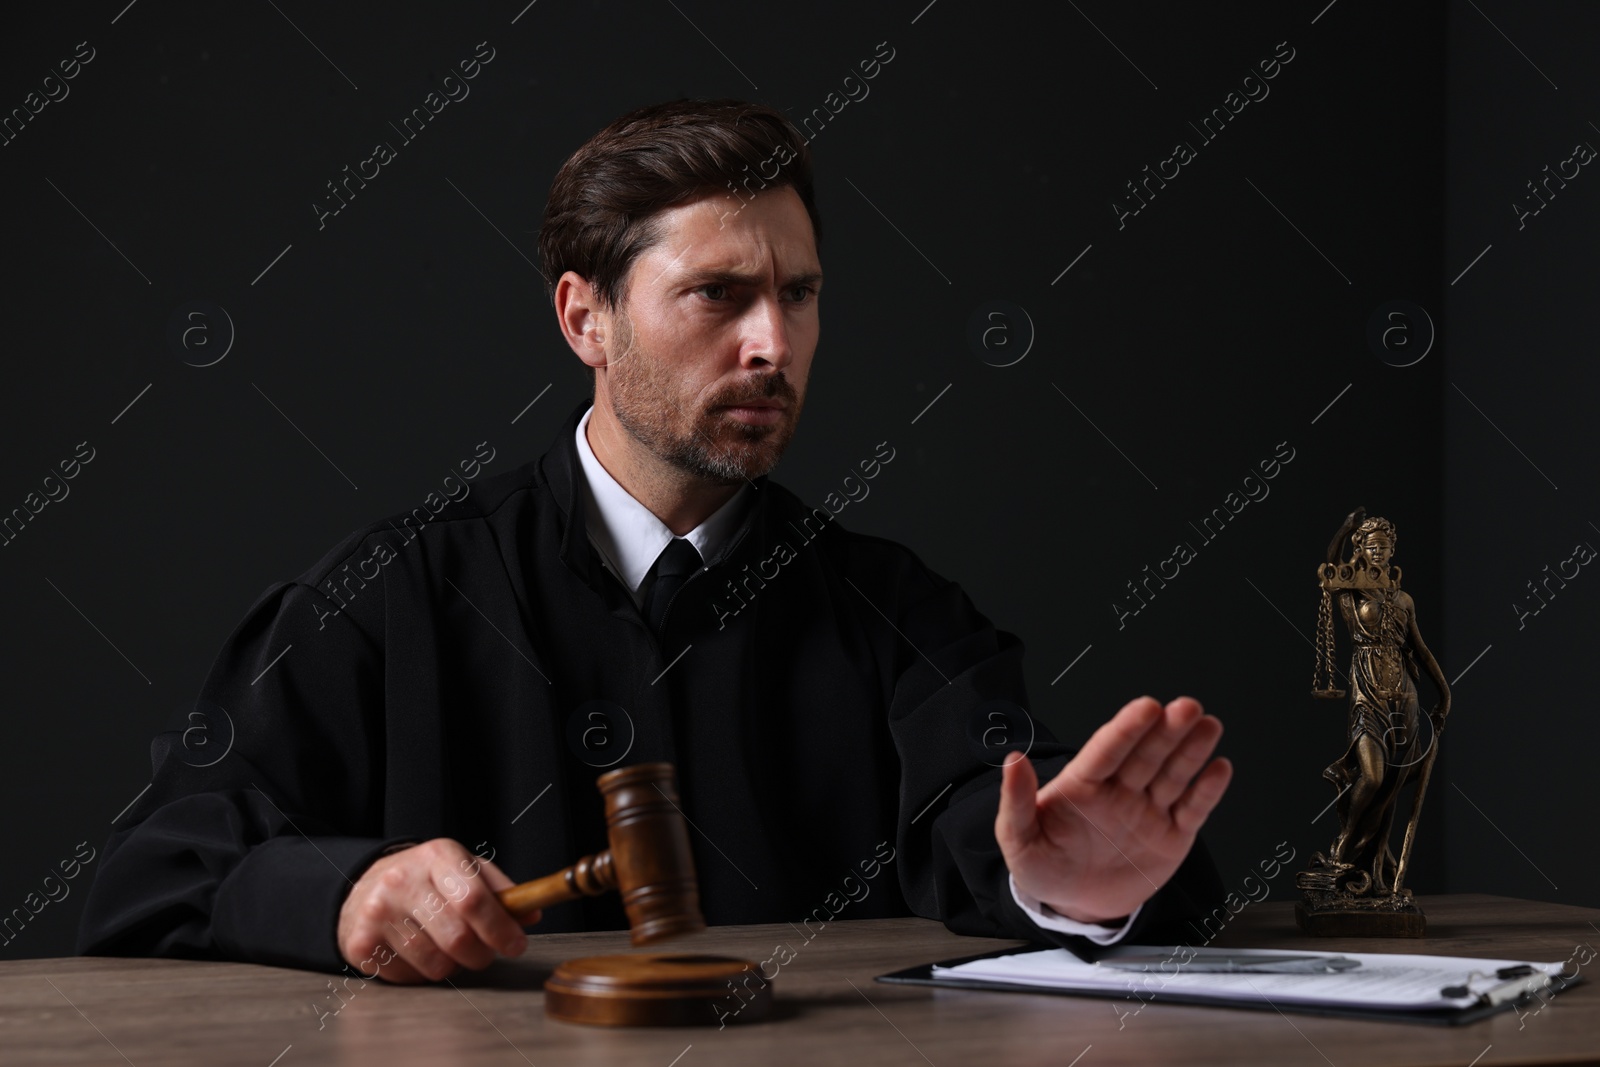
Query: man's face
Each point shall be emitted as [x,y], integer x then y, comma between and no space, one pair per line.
[715,335]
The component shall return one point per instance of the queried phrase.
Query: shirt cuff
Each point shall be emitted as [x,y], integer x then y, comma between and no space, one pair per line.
[1044,916]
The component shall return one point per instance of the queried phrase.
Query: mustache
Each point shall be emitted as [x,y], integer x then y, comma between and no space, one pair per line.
[775,386]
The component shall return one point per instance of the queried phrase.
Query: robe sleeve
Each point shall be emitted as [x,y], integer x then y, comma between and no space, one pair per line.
[961,671]
[264,804]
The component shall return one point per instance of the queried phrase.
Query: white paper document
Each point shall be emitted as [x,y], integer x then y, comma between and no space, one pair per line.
[1382,981]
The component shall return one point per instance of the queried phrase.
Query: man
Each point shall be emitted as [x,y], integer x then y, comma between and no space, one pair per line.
[830,703]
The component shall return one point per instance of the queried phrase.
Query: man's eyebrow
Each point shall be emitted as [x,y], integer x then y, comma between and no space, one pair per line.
[722,276]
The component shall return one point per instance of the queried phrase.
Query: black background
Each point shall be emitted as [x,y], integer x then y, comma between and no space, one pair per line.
[1179,350]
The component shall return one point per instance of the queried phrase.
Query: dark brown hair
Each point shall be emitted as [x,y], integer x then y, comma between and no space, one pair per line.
[601,214]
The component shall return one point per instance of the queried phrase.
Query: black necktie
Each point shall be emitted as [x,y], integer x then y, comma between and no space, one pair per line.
[673,567]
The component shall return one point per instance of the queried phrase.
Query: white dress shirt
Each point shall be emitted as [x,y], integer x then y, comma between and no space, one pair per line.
[628,535]
[629,538]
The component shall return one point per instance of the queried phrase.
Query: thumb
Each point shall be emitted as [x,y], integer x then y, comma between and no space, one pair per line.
[493,876]
[1017,821]
[496,880]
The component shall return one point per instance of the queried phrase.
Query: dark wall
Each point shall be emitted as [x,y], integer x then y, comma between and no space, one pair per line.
[1520,451]
[1173,350]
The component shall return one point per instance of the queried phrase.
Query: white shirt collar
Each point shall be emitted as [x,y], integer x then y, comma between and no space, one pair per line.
[627,534]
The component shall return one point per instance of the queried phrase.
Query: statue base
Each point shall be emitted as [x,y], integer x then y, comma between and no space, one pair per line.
[1340,915]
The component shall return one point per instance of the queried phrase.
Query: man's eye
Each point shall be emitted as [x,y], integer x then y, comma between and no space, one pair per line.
[717,293]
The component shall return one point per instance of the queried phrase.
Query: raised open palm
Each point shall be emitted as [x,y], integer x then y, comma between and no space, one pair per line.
[1102,836]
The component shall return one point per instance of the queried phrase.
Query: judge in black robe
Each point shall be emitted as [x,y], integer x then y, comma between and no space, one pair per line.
[444,673]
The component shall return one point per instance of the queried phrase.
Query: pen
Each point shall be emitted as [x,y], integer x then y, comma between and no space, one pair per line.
[1240,963]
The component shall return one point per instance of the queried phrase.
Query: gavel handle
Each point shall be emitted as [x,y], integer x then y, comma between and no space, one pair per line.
[589,877]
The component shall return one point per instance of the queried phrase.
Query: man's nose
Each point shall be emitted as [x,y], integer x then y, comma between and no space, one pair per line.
[766,336]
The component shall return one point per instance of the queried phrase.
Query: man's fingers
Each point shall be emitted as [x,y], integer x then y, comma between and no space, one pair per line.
[370,956]
[496,880]
[461,940]
[434,907]
[1146,759]
[491,926]
[400,972]
[383,964]
[1106,750]
[413,944]
[1185,761]
[493,876]
[1191,810]
[1018,819]
[397,906]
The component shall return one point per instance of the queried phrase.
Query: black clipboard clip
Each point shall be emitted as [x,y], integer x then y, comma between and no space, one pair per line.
[1514,984]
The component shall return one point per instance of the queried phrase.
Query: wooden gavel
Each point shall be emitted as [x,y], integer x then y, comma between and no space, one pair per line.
[649,859]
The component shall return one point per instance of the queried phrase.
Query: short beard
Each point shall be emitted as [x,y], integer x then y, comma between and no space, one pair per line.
[645,407]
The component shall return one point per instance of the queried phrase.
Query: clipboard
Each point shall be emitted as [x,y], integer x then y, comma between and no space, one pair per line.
[1451,1016]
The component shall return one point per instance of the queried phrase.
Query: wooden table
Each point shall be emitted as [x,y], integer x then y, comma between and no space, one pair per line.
[829,1010]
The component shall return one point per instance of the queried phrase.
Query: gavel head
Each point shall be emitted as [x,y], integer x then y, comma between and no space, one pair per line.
[650,854]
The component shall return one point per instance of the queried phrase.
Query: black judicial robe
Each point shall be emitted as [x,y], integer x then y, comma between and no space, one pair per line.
[471,680]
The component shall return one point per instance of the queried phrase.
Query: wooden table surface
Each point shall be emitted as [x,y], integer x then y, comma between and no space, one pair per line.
[828,1008]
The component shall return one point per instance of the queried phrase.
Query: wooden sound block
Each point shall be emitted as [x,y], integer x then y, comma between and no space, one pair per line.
[657,990]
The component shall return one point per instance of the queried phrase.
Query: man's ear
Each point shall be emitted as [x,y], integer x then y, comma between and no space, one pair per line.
[581,318]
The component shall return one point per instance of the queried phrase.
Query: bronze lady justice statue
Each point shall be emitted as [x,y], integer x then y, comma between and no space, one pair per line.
[1356,888]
